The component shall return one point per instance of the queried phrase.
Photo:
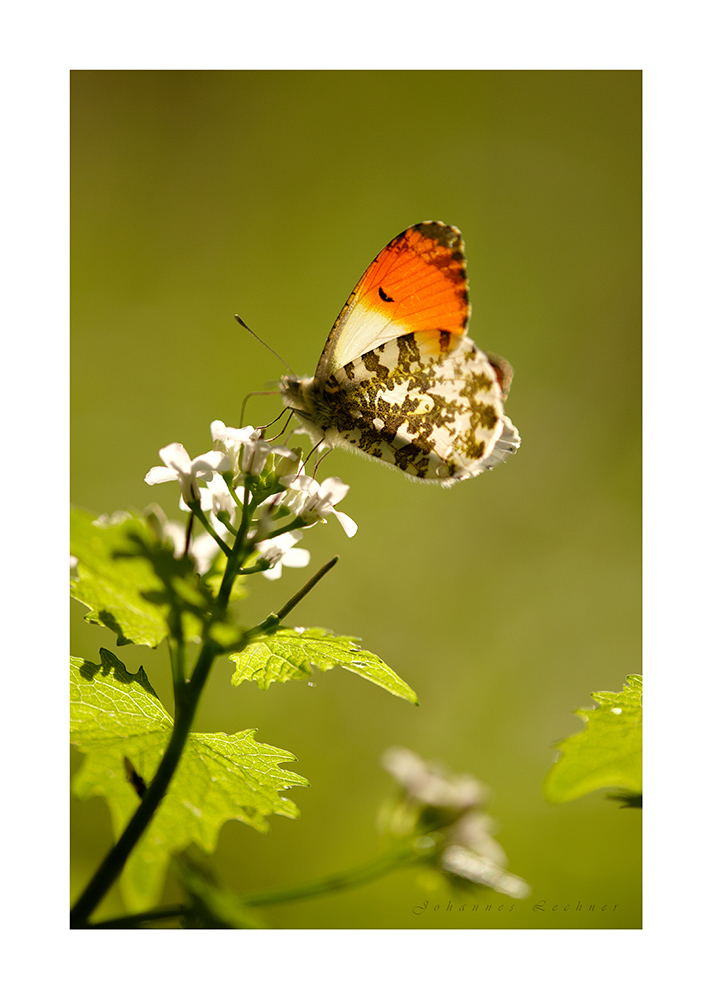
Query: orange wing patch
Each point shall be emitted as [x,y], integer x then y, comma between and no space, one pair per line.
[419,278]
[416,284]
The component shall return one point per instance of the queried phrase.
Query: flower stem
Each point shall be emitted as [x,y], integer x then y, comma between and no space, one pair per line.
[237,556]
[334,882]
[188,532]
[211,530]
[136,920]
[362,874]
[291,604]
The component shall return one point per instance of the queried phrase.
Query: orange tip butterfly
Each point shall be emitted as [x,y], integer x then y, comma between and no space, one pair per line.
[399,380]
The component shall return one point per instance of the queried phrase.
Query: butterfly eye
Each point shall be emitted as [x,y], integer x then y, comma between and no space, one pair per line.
[386,298]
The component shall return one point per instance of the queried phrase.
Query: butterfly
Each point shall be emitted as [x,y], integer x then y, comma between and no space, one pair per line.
[399,379]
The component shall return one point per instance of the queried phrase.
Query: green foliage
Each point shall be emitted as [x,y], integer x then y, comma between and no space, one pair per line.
[132,582]
[183,785]
[608,753]
[294,654]
[116,715]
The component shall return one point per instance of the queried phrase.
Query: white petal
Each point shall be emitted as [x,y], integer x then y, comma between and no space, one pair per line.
[220,497]
[254,456]
[175,533]
[206,501]
[350,526]
[296,558]
[222,433]
[333,489]
[160,474]
[283,452]
[175,456]
[211,461]
[306,484]
[203,549]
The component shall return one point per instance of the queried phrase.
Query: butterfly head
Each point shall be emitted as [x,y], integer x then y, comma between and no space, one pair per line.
[303,398]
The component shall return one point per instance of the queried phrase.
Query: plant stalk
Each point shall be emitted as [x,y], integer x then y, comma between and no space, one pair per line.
[342,881]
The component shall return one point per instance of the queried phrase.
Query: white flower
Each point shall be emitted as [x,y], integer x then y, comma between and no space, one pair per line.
[430,784]
[248,451]
[311,501]
[206,502]
[215,497]
[481,870]
[452,804]
[202,549]
[220,496]
[280,552]
[289,464]
[474,831]
[179,465]
[253,457]
[231,441]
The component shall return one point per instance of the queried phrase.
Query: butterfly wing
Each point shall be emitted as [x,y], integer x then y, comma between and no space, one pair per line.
[416,284]
[399,379]
[434,412]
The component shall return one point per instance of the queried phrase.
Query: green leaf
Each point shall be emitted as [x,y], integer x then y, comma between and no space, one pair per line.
[608,753]
[116,716]
[133,583]
[294,654]
[114,589]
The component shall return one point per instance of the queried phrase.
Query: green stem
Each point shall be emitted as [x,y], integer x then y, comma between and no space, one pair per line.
[237,555]
[291,604]
[225,548]
[269,624]
[136,921]
[260,566]
[294,525]
[176,652]
[233,493]
[362,874]
[334,882]
[188,532]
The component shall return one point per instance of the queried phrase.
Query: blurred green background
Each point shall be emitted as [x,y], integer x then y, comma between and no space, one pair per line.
[504,601]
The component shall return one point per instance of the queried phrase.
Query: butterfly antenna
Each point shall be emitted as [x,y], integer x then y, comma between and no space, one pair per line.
[266,345]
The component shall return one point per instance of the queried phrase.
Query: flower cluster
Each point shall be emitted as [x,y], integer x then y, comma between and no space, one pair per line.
[447,812]
[249,489]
